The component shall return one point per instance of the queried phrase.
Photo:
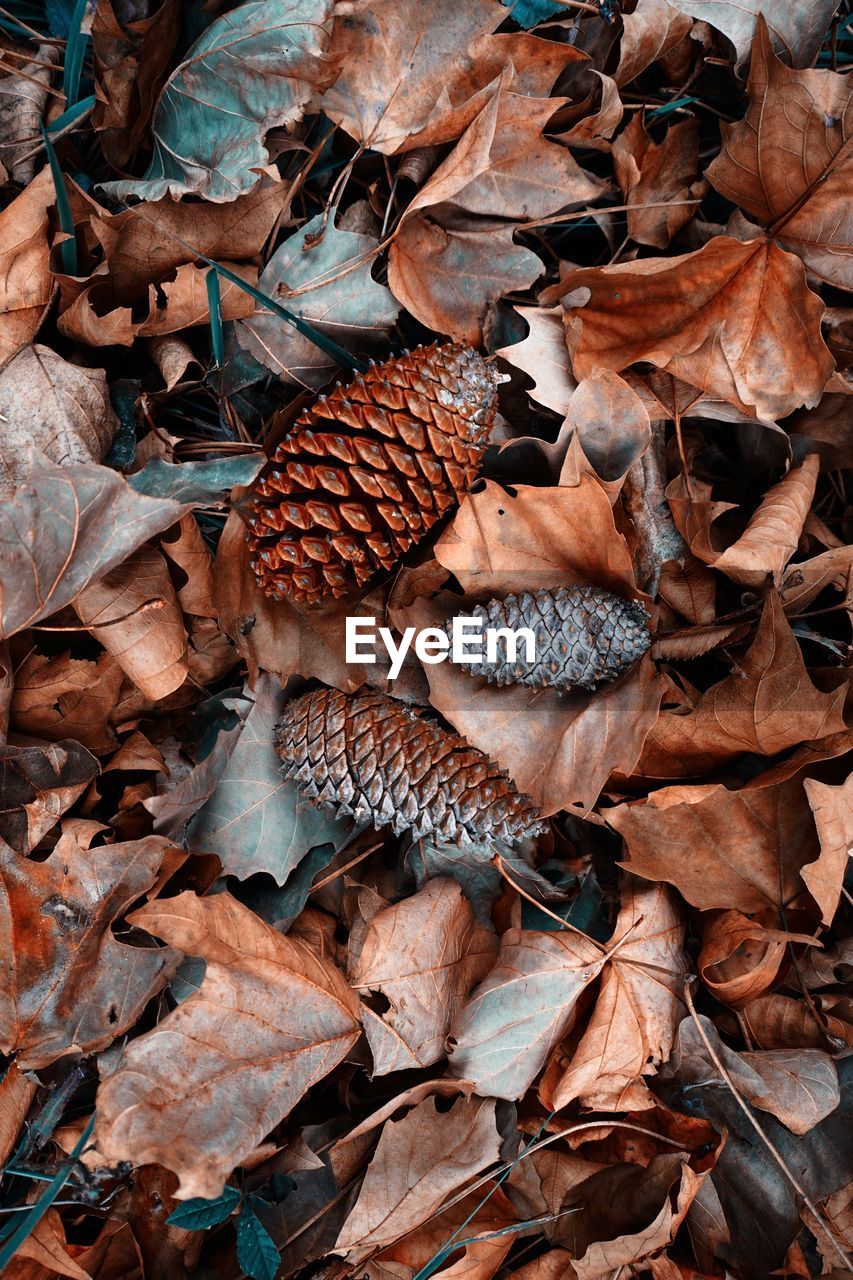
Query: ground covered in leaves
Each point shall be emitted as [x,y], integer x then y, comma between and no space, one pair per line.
[238,1035]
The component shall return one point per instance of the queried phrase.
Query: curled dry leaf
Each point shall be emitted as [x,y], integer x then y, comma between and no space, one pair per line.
[269,1020]
[253,69]
[37,785]
[63,697]
[543,356]
[833,814]
[737,320]
[771,537]
[63,409]
[740,958]
[423,955]
[419,1161]
[58,915]
[133,612]
[525,1006]
[26,283]
[638,1008]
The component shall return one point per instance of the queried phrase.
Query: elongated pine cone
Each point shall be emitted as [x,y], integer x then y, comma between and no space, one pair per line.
[368,470]
[366,755]
[583,635]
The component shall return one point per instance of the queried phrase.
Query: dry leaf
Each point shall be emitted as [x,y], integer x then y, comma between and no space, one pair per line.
[796,26]
[269,1020]
[131,62]
[58,915]
[772,535]
[543,356]
[26,284]
[423,955]
[661,174]
[650,32]
[833,814]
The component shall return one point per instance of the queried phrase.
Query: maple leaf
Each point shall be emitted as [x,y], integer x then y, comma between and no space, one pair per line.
[58,916]
[788,163]
[269,1020]
[737,320]
[797,26]
[637,1010]
[27,284]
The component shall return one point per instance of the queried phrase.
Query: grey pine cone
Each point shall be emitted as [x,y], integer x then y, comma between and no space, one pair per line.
[366,755]
[584,635]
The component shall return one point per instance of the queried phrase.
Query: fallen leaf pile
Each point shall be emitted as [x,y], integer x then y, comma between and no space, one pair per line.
[325,964]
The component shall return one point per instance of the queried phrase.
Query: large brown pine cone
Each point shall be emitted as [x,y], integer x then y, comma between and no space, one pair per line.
[368,470]
[368,756]
[583,635]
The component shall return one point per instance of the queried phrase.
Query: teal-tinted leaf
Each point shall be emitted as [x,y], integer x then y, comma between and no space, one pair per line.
[195,482]
[527,13]
[41,1206]
[256,1252]
[282,905]
[327,284]
[255,821]
[68,247]
[70,115]
[198,1214]
[252,70]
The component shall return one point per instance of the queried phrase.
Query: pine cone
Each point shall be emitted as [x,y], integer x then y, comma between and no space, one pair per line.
[583,635]
[368,470]
[369,756]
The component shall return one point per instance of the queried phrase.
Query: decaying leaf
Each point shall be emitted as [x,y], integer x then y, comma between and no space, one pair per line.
[269,1019]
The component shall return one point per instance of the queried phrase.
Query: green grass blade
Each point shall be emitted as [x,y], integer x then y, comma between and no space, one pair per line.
[68,248]
[75,52]
[42,1205]
[214,302]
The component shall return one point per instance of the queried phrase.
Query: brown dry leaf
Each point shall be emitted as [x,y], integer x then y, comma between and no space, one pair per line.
[612,426]
[133,612]
[776,1021]
[594,126]
[737,320]
[269,1020]
[17,1090]
[796,26]
[279,637]
[485,1226]
[807,578]
[833,814]
[654,27]
[175,359]
[799,1087]
[64,697]
[70,985]
[522,1010]
[63,409]
[789,163]
[414,80]
[47,1247]
[131,61]
[740,958]
[637,1010]
[661,174]
[172,307]
[767,704]
[26,283]
[187,550]
[743,849]
[419,1161]
[543,356]
[423,955]
[448,272]
[549,537]
[37,785]
[773,532]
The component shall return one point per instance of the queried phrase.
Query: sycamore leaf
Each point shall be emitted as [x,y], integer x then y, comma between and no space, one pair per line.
[69,986]
[797,27]
[252,70]
[737,320]
[271,1018]
[648,33]
[805,116]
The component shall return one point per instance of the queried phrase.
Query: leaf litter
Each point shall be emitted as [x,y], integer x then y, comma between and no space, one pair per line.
[241,1035]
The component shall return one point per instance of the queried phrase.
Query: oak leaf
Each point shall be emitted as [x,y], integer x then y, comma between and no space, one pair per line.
[270,1020]
[789,162]
[737,320]
[423,955]
[69,985]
